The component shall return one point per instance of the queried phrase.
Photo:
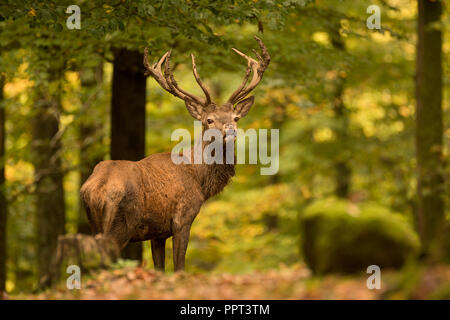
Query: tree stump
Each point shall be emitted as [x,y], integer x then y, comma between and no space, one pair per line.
[85,251]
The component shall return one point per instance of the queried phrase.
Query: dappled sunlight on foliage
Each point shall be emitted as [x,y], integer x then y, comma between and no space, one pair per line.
[248,230]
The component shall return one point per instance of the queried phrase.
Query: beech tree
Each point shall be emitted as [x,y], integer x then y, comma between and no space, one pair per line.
[3,201]
[128,117]
[429,123]
[48,172]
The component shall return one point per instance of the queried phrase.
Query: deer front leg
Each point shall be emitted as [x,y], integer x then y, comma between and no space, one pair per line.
[180,242]
[159,253]
[181,227]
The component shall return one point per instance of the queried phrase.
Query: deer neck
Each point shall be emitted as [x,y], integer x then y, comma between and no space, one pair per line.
[214,177]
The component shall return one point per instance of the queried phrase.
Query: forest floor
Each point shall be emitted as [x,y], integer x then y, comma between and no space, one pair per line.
[283,283]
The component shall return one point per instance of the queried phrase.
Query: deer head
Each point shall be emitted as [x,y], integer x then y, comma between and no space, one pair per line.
[213,116]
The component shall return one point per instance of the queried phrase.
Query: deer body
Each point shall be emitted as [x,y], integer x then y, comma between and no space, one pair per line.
[154,198]
[151,199]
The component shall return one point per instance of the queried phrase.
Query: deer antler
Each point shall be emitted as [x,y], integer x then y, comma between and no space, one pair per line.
[167,81]
[200,83]
[257,67]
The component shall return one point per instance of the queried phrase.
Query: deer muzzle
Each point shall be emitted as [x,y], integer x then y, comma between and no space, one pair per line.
[230,134]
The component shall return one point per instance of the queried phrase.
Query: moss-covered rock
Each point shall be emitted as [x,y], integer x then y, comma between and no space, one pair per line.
[339,236]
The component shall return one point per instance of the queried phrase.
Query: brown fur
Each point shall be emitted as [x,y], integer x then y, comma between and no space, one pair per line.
[138,201]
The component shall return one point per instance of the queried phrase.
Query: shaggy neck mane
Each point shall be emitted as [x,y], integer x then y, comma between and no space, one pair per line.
[214,177]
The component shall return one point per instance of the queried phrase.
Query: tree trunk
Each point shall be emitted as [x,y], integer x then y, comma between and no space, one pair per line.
[46,144]
[3,204]
[429,124]
[342,169]
[90,132]
[128,117]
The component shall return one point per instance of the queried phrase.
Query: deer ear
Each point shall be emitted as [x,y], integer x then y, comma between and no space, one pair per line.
[243,106]
[194,108]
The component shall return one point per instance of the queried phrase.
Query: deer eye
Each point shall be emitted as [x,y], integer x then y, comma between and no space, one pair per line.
[210,121]
[236,119]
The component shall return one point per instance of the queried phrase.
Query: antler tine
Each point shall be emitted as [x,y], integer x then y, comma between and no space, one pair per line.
[170,79]
[252,64]
[167,80]
[174,85]
[258,68]
[265,52]
[200,83]
[249,59]
[244,82]
[155,70]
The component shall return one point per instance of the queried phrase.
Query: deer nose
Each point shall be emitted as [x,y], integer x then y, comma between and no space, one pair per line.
[230,130]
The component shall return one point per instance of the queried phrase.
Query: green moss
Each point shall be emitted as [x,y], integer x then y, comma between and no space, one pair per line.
[339,236]
[91,259]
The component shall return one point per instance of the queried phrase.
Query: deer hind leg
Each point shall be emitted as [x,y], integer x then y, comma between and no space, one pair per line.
[115,226]
[159,253]
[92,224]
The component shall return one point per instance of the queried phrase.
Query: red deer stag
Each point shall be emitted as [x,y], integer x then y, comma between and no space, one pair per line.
[154,199]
